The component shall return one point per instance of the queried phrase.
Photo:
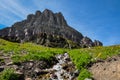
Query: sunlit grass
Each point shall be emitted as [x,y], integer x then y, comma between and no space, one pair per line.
[29,51]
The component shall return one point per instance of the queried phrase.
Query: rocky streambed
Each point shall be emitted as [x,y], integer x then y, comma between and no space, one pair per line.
[60,68]
[64,69]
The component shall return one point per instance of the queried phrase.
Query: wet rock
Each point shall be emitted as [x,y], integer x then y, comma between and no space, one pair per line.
[66,57]
[57,67]
[65,66]
[76,73]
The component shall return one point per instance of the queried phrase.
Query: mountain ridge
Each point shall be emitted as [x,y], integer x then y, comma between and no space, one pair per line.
[46,28]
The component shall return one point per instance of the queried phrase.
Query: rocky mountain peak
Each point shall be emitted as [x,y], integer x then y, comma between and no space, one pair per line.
[47,12]
[30,17]
[60,19]
[38,13]
[46,28]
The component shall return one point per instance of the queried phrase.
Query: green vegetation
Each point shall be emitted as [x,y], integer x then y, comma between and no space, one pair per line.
[84,74]
[28,51]
[80,57]
[8,74]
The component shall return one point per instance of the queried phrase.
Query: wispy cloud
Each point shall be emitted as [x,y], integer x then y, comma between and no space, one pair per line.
[13,7]
[12,11]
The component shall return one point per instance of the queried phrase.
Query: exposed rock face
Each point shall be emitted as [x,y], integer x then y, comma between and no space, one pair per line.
[45,28]
[97,43]
[86,42]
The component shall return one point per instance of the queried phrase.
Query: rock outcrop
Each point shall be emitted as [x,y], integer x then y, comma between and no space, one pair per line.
[86,42]
[97,43]
[45,28]
[108,69]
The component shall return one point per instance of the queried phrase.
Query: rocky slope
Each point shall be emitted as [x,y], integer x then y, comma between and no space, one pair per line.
[46,28]
[108,69]
[61,68]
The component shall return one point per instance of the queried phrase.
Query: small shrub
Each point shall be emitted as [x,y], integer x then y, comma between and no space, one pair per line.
[8,74]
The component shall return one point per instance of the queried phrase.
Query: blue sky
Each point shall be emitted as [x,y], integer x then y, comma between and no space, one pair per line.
[97,19]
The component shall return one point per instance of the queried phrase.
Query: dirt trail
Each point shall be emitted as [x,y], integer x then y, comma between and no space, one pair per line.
[108,69]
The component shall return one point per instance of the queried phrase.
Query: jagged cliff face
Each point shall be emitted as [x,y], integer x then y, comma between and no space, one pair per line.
[45,28]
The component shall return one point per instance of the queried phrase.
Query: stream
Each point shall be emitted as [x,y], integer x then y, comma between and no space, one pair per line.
[63,70]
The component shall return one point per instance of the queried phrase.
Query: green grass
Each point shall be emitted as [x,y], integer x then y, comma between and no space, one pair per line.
[28,51]
[80,57]
[84,74]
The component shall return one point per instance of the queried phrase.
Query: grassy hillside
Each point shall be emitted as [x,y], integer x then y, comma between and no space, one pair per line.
[28,51]
[80,57]
[83,57]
